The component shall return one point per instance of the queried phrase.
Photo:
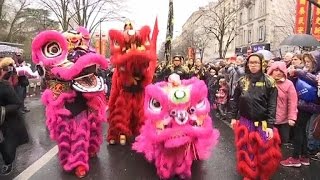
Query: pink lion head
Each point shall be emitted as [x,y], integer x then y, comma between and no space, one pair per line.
[51,50]
[177,120]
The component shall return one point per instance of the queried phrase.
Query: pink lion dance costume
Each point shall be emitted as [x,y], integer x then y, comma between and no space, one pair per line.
[178,128]
[74,99]
[134,58]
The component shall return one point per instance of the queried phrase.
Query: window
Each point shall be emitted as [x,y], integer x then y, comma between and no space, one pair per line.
[244,36]
[249,36]
[250,13]
[240,18]
[261,33]
[262,7]
[240,42]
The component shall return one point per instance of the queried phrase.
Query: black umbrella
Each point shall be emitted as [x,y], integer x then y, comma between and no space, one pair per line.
[301,40]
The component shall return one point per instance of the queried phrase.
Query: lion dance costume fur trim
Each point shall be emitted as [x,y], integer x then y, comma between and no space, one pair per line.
[134,57]
[257,157]
[74,99]
[178,128]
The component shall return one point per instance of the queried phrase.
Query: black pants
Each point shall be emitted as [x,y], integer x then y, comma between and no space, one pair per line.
[8,152]
[284,131]
[300,140]
[22,93]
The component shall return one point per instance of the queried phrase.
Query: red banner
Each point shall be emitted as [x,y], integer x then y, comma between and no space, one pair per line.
[316,22]
[301,16]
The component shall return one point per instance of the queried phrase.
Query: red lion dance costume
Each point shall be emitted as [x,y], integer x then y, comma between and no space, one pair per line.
[74,99]
[134,57]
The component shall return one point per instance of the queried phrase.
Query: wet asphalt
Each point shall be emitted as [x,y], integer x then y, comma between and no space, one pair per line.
[121,163]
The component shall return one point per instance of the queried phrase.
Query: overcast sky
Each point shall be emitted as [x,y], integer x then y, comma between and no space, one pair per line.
[144,12]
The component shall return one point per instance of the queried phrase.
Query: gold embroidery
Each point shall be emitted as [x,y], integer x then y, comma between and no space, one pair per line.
[58,87]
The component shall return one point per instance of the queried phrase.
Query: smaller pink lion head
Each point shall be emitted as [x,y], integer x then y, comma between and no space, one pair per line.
[178,128]
[177,112]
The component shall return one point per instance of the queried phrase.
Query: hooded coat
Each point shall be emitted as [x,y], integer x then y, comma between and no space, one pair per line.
[287,99]
[255,96]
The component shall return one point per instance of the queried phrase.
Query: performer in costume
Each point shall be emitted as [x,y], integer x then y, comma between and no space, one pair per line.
[134,58]
[257,142]
[178,128]
[74,98]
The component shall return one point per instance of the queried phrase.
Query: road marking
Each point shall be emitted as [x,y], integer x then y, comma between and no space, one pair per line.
[31,170]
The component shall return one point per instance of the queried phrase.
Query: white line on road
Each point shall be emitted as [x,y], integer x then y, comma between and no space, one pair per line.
[31,170]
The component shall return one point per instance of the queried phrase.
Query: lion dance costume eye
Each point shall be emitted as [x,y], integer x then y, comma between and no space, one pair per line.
[178,128]
[75,98]
[134,58]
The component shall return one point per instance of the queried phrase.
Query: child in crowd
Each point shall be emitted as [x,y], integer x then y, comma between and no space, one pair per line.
[222,98]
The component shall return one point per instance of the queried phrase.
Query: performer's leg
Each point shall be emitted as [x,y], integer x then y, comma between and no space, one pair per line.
[64,141]
[96,116]
[269,153]
[246,148]
[95,138]
[78,158]
[138,114]
[119,119]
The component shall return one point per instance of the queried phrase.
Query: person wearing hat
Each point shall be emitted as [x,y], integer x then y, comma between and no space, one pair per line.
[12,128]
[8,71]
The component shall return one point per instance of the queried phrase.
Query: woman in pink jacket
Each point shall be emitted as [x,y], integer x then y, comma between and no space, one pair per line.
[287,100]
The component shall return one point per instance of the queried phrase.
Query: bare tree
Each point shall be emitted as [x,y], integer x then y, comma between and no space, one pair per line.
[202,42]
[83,12]
[60,10]
[285,23]
[18,14]
[161,56]
[220,21]
[1,9]
[195,38]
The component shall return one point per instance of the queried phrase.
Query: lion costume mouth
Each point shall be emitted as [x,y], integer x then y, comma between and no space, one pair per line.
[87,81]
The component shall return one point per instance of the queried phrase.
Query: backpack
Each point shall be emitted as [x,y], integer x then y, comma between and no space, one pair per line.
[306,91]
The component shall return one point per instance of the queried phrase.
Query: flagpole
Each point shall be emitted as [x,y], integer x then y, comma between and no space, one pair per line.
[308,30]
[169,35]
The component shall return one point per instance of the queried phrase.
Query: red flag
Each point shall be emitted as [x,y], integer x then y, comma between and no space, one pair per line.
[155,35]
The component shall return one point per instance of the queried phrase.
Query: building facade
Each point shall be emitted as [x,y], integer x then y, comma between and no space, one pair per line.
[259,24]
[263,24]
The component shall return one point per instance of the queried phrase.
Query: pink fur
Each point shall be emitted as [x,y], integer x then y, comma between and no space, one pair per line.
[41,40]
[83,31]
[82,62]
[77,135]
[174,148]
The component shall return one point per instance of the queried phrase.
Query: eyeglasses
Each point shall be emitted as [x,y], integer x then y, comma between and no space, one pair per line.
[254,63]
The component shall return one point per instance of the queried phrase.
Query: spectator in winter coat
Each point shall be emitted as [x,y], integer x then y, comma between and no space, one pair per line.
[286,113]
[235,71]
[306,109]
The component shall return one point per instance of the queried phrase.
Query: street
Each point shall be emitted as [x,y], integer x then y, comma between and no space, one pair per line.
[38,160]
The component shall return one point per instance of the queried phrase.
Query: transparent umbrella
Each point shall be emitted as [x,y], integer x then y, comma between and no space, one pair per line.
[266,54]
[8,49]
